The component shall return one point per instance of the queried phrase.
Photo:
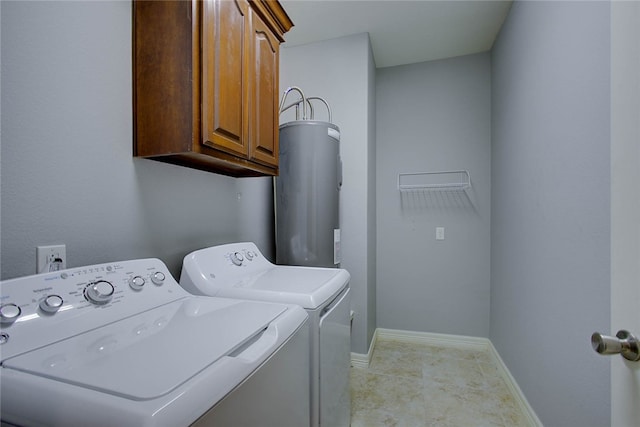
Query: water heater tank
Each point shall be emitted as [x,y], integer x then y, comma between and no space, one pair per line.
[307,194]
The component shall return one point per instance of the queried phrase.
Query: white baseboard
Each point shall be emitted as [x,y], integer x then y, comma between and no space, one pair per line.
[522,401]
[457,341]
[359,360]
[444,340]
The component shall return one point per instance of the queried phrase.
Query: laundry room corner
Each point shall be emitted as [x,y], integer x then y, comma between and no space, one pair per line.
[342,71]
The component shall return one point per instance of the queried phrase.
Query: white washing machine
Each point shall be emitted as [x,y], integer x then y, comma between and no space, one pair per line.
[239,270]
[122,344]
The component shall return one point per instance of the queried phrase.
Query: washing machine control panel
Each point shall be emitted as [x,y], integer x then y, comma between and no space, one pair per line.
[241,256]
[231,265]
[44,308]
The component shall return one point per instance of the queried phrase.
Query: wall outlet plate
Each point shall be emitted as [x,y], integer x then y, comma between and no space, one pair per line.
[51,258]
[439,233]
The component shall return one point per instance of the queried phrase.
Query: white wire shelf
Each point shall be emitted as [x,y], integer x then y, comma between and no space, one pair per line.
[435,181]
[427,190]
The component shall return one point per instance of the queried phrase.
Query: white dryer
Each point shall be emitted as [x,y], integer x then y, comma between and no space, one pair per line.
[122,344]
[239,270]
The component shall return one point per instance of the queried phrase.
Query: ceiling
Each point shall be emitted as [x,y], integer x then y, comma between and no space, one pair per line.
[401,32]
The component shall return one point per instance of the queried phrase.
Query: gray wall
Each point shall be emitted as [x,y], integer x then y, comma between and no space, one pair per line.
[67,171]
[342,71]
[372,212]
[625,202]
[550,262]
[434,116]
[256,215]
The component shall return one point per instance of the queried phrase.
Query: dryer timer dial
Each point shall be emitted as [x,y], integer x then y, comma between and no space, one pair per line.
[237,258]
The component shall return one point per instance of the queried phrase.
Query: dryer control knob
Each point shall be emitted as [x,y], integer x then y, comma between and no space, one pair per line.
[51,303]
[237,258]
[158,278]
[250,255]
[99,292]
[136,283]
[9,313]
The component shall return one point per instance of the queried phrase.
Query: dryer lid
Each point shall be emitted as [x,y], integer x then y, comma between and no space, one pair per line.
[150,354]
[308,287]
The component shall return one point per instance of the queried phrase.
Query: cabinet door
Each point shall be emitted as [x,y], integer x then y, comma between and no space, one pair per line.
[263,129]
[225,77]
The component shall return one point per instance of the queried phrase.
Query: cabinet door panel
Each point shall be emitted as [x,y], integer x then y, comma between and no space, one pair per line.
[264,95]
[225,57]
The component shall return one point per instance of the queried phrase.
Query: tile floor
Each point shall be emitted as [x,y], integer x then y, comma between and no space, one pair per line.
[411,385]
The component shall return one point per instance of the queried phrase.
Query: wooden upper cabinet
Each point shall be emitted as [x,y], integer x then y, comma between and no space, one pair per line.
[206,83]
[225,77]
[264,95]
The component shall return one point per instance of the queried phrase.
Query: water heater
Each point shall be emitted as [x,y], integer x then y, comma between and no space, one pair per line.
[307,193]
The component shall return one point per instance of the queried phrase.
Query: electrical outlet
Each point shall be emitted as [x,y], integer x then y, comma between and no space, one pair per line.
[51,258]
[439,233]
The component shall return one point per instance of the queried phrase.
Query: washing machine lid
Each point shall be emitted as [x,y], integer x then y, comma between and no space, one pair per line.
[307,287]
[151,354]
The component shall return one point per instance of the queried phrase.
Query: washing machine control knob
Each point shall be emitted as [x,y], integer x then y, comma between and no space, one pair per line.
[99,292]
[9,313]
[158,278]
[250,255]
[136,283]
[51,303]
[237,258]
